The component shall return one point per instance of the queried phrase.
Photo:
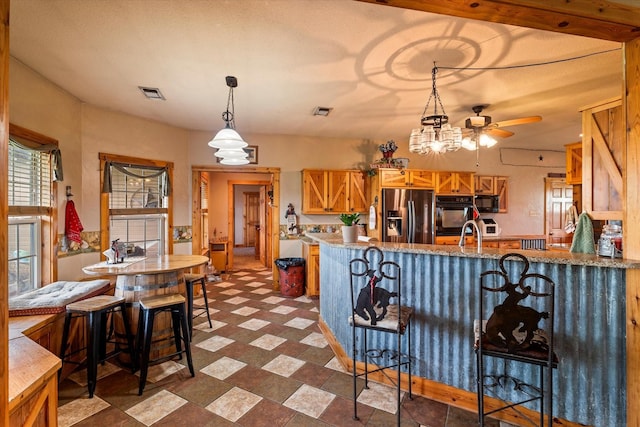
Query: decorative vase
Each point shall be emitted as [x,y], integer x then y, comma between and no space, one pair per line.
[387,154]
[349,233]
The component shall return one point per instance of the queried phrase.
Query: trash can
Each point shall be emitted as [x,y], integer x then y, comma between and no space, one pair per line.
[291,271]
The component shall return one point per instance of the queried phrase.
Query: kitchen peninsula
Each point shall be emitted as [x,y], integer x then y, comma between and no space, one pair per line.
[441,283]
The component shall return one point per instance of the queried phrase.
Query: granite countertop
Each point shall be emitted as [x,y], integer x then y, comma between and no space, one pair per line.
[550,257]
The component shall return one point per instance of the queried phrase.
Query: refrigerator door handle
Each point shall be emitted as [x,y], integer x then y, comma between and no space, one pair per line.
[412,222]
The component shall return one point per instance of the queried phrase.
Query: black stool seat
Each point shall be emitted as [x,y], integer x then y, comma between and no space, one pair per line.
[96,311]
[149,307]
[190,280]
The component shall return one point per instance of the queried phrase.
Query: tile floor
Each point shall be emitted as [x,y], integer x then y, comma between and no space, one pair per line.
[264,363]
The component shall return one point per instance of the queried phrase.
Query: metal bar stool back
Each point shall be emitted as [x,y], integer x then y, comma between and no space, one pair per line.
[191,280]
[514,341]
[377,310]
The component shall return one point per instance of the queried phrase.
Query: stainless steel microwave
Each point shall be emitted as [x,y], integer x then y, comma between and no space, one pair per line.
[487,203]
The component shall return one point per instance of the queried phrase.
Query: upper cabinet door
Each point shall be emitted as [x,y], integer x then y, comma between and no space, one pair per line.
[314,191]
[337,193]
[422,179]
[485,184]
[357,200]
[333,191]
[393,178]
[407,178]
[454,183]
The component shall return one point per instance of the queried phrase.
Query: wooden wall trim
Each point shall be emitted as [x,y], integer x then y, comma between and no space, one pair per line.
[598,19]
[631,231]
[4,222]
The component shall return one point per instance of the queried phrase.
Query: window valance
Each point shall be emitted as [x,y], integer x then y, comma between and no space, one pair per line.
[161,172]
[52,149]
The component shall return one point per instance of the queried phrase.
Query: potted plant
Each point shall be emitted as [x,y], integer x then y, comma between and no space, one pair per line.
[349,230]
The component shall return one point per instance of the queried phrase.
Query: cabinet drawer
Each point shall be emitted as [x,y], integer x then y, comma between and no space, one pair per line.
[510,244]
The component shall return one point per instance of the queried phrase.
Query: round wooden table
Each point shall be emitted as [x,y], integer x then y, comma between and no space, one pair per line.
[151,276]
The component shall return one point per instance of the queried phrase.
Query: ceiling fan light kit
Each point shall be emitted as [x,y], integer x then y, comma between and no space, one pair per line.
[228,141]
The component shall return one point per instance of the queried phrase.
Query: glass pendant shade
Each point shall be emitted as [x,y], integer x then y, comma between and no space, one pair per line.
[231,153]
[234,161]
[227,138]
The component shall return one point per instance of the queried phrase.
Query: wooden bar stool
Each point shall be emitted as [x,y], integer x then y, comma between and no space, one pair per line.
[149,307]
[96,311]
[190,280]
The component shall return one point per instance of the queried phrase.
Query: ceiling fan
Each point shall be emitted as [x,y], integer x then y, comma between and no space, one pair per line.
[478,125]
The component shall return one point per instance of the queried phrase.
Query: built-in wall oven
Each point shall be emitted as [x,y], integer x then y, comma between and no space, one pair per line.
[451,214]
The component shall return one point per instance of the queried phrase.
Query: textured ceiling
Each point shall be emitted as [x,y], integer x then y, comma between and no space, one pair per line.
[371,64]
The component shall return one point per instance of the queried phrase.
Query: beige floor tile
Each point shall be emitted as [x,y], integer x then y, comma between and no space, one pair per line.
[156,407]
[254,324]
[315,339]
[299,323]
[79,409]
[223,368]
[268,342]
[309,400]
[284,365]
[234,404]
[214,343]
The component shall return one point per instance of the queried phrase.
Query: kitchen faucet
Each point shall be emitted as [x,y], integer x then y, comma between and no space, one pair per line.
[479,233]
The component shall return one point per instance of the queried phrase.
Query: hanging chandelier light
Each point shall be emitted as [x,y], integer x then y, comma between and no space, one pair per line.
[435,133]
[229,142]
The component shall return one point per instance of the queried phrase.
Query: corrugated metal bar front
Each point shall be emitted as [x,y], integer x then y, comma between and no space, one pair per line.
[590,380]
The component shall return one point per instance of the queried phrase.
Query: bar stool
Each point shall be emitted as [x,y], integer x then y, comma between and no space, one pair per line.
[149,307]
[516,339]
[190,280]
[372,311]
[96,311]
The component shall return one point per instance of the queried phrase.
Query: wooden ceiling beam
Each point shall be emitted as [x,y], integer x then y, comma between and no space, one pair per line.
[590,18]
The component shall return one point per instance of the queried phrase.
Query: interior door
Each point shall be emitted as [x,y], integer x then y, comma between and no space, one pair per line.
[251,217]
[558,199]
[262,229]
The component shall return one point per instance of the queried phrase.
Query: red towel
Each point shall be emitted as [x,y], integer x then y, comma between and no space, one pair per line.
[72,224]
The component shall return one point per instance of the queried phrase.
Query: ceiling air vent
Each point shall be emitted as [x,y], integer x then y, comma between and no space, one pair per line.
[152,92]
[322,111]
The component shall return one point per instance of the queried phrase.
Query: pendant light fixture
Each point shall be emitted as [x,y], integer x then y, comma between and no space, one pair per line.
[435,134]
[229,142]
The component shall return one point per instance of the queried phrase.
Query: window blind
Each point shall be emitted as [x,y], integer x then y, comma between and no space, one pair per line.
[29,181]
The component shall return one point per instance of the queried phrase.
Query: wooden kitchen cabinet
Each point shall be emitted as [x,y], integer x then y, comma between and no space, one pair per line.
[485,184]
[333,191]
[357,196]
[311,255]
[501,244]
[407,178]
[501,185]
[454,240]
[603,142]
[493,185]
[574,163]
[455,183]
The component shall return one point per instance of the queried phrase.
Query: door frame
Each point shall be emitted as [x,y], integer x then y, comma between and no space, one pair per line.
[272,238]
[231,223]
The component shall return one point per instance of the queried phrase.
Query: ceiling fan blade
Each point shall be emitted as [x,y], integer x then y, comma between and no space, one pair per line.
[498,132]
[520,121]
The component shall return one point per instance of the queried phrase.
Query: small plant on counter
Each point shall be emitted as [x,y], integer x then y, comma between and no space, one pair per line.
[349,219]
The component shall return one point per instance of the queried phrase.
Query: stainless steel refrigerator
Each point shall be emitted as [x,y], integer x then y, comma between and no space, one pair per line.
[408,215]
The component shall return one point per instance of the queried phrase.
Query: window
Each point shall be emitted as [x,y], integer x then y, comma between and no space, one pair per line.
[137,198]
[33,162]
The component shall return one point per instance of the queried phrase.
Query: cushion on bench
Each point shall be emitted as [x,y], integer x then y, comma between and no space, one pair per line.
[54,297]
